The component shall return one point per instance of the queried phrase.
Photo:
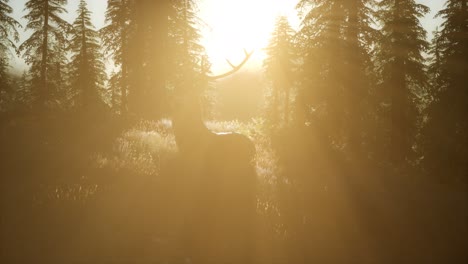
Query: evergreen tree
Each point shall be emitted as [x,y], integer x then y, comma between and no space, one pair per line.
[446,133]
[435,69]
[22,96]
[113,89]
[148,56]
[138,49]
[8,36]
[335,39]
[157,56]
[358,74]
[87,67]
[48,30]
[186,54]
[146,39]
[402,73]
[115,36]
[279,66]
[322,43]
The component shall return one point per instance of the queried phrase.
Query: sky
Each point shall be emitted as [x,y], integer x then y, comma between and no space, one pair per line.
[227,26]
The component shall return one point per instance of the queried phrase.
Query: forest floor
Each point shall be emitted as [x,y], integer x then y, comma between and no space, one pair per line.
[106,193]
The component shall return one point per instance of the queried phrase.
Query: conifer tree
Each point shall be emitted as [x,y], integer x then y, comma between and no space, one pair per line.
[186,53]
[8,36]
[445,135]
[358,74]
[402,72]
[335,41]
[279,66]
[115,36]
[87,67]
[322,42]
[113,89]
[157,57]
[435,69]
[48,29]
[148,56]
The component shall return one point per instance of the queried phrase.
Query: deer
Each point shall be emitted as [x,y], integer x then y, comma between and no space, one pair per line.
[219,179]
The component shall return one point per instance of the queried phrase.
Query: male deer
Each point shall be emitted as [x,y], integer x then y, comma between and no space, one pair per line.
[220,183]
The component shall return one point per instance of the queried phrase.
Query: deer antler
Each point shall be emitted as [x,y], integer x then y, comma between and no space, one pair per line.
[233,70]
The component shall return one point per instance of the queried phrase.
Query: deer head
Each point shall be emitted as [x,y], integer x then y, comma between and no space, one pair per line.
[189,129]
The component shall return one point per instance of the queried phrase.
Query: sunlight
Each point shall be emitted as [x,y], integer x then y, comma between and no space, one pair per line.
[228,27]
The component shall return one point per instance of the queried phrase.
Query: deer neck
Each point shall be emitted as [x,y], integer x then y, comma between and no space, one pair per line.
[191,133]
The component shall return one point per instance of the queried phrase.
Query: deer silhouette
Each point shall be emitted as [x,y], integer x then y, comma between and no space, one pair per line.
[219,180]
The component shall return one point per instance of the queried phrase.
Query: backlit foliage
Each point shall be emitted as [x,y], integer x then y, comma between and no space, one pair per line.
[49,31]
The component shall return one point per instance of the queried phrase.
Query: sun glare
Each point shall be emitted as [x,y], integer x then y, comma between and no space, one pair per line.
[228,27]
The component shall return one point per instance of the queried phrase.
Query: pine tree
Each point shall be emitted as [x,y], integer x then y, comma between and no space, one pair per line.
[113,89]
[335,41]
[148,48]
[186,54]
[8,36]
[88,70]
[402,72]
[115,36]
[138,48]
[359,98]
[48,30]
[279,66]
[157,57]
[435,69]
[446,133]
[22,96]
[322,43]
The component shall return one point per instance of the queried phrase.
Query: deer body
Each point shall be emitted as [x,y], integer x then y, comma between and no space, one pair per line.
[220,182]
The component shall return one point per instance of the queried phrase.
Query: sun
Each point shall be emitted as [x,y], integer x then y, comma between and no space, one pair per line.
[229,27]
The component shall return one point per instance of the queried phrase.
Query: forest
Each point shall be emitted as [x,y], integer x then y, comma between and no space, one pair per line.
[357,151]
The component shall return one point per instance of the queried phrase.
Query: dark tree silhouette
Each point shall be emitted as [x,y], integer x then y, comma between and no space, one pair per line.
[136,35]
[279,66]
[358,76]
[8,37]
[446,133]
[150,56]
[336,40]
[322,43]
[115,36]
[87,67]
[48,30]
[402,72]
[186,54]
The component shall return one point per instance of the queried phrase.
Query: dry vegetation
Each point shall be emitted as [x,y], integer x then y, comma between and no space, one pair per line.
[121,201]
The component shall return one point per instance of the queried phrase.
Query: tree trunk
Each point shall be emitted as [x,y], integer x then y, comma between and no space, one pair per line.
[399,125]
[124,81]
[43,89]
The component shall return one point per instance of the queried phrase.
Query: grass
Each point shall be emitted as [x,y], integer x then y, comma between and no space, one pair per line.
[119,204]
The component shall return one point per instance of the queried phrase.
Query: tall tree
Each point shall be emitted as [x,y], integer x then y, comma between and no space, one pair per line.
[115,36]
[279,66]
[8,36]
[402,71]
[435,69]
[322,42]
[88,70]
[157,63]
[148,56]
[359,99]
[446,134]
[186,54]
[114,91]
[48,29]
[335,41]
